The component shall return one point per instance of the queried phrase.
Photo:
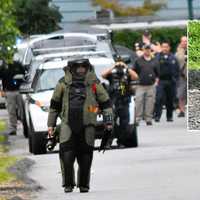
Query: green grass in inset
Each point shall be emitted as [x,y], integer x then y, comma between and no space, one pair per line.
[194,45]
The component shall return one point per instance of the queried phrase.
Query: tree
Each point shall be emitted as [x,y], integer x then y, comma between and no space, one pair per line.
[8,30]
[119,10]
[37,16]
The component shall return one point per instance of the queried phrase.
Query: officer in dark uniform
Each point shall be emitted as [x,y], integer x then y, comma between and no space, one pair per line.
[119,77]
[77,98]
[166,88]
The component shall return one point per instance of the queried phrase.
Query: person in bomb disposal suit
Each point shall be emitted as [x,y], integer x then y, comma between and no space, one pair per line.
[77,98]
[119,77]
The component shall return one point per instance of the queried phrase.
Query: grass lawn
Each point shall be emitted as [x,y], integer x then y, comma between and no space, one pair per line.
[5,160]
[5,163]
[194,45]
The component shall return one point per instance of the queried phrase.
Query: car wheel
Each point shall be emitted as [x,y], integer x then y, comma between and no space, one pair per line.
[37,141]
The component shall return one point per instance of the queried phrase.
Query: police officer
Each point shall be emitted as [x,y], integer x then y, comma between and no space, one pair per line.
[166,88]
[119,77]
[11,86]
[77,98]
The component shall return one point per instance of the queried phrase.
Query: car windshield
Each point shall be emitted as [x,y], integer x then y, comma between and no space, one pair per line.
[48,79]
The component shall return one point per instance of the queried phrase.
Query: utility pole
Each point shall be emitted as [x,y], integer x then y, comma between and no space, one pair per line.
[190,10]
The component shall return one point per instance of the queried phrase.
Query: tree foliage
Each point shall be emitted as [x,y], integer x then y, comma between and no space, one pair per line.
[8,30]
[120,10]
[37,16]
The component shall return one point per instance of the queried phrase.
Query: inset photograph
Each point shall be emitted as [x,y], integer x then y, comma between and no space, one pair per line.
[194,75]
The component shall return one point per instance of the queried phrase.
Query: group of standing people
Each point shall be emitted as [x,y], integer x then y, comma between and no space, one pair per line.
[162,79]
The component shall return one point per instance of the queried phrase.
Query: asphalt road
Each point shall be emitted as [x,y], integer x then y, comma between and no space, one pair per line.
[165,166]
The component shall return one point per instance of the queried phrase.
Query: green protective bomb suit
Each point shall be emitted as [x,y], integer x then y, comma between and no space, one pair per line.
[77,143]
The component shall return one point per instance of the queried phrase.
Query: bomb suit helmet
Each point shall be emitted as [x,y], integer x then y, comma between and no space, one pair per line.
[79,66]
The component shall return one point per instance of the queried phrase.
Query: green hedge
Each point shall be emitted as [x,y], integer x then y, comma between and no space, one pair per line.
[194,44]
[129,37]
